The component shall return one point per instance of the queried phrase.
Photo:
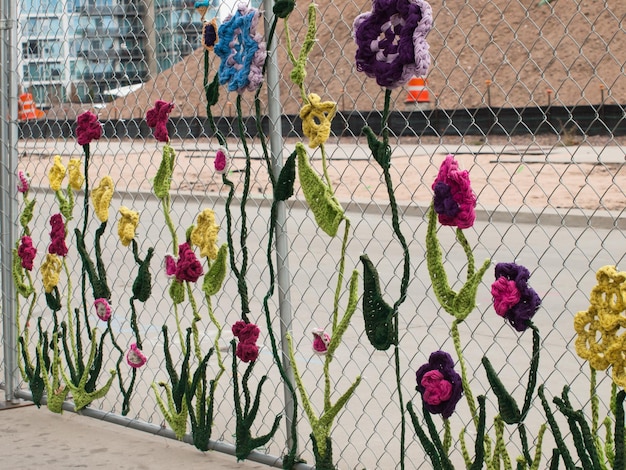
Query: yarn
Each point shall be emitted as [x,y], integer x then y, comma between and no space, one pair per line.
[157,118]
[377,314]
[216,274]
[103,309]
[17,272]
[27,214]
[56,174]
[57,236]
[23,183]
[403,51]
[204,234]
[97,276]
[381,151]
[88,128]
[325,207]
[142,286]
[163,179]
[316,119]
[209,34]
[135,357]
[127,225]
[101,197]
[282,8]
[50,272]
[439,384]
[283,188]
[513,298]
[222,161]
[298,73]
[76,177]
[454,200]
[26,252]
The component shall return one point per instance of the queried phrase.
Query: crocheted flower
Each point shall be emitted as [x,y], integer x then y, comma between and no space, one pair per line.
[103,309]
[56,174]
[513,299]
[439,384]
[454,199]
[57,236]
[247,334]
[101,197]
[27,252]
[23,183]
[316,118]
[221,161]
[88,128]
[321,341]
[209,34]
[391,41]
[157,119]
[242,50]
[76,177]
[204,234]
[186,268]
[135,358]
[50,272]
[127,225]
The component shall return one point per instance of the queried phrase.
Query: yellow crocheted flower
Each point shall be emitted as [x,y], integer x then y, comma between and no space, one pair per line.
[56,174]
[76,177]
[101,197]
[316,118]
[601,336]
[204,234]
[127,225]
[50,272]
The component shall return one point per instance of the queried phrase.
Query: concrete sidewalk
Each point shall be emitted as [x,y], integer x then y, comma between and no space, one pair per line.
[36,438]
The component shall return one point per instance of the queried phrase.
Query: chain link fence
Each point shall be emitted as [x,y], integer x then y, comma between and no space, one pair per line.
[529,97]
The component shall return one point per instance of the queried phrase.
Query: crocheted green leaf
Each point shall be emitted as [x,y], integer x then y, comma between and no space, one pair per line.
[620,455]
[380,151]
[509,411]
[428,446]
[177,291]
[17,271]
[284,185]
[27,213]
[479,447]
[142,287]
[282,8]
[378,315]
[53,300]
[323,461]
[326,209]
[213,91]
[163,178]
[214,279]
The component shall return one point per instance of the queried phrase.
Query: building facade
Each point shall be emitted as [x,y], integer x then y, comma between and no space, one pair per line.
[78,50]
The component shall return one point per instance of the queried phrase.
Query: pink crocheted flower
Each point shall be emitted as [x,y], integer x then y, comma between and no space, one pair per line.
[513,298]
[88,128]
[188,268]
[436,388]
[246,332]
[57,236]
[157,119]
[454,200]
[27,252]
[23,185]
[170,266]
[321,341]
[135,358]
[221,161]
[439,384]
[103,309]
[247,352]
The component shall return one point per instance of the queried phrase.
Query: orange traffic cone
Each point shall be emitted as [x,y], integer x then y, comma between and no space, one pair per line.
[419,96]
[27,109]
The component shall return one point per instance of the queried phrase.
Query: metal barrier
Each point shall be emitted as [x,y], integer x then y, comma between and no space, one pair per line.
[543,145]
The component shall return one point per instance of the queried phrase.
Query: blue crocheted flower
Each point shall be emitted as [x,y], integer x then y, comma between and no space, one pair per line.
[391,41]
[242,50]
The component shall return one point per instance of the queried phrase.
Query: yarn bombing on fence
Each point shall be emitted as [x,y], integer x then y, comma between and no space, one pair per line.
[127,225]
[316,119]
[135,357]
[103,309]
[439,384]
[221,161]
[403,51]
[23,183]
[321,341]
[101,197]
[88,128]
[513,299]
[157,118]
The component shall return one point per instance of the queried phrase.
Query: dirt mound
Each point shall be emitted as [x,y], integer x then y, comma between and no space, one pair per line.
[572,47]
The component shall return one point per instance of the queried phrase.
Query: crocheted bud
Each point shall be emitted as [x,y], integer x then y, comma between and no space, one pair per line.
[247,352]
[157,119]
[188,268]
[103,309]
[170,265]
[321,341]
[177,292]
[209,34]
[88,128]
[27,252]
[222,161]
[23,183]
[76,177]
[56,174]
[316,119]
[204,234]
[127,225]
[50,272]
[57,236]
[135,357]
[454,200]
[101,197]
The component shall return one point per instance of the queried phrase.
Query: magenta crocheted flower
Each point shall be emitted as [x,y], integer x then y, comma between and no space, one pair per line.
[221,161]
[439,384]
[157,119]
[27,252]
[454,200]
[321,341]
[88,128]
[23,184]
[513,299]
[135,358]
[170,265]
[391,41]
[247,334]
[242,50]
[57,236]
[188,268]
[103,309]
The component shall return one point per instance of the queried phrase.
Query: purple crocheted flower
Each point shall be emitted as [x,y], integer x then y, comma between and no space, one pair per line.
[157,118]
[454,200]
[242,50]
[103,309]
[513,299]
[135,358]
[27,252]
[439,384]
[23,184]
[57,236]
[88,128]
[391,41]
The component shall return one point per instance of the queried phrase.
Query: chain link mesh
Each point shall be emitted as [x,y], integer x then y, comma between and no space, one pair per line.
[550,191]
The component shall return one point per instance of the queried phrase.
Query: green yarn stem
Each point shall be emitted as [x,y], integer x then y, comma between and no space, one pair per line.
[202,418]
[212,93]
[467,390]
[499,452]
[340,274]
[447,435]
[620,443]
[298,74]
[246,415]
[538,447]
[70,323]
[126,392]
[216,343]
[55,393]
[439,462]
[556,432]
[83,272]
[194,322]
[96,274]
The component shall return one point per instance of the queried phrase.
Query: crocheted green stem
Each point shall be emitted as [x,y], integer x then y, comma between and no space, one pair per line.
[211,91]
[96,274]
[340,273]
[202,418]
[194,322]
[298,73]
[620,442]
[70,322]
[467,390]
[556,432]
[246,414]
[439,460]
[500,454]
[55,392]
[126,392]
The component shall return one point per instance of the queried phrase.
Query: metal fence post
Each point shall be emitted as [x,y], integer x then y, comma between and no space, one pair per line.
[8,201]
[282,239]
